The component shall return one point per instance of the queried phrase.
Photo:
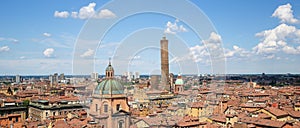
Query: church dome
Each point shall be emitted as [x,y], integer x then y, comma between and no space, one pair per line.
[179,80]
[109,86]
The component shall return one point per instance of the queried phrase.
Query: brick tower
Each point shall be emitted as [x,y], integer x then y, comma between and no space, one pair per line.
[164,55]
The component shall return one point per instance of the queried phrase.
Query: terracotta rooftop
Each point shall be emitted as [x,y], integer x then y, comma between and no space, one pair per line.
[277,112]
[294,114]
[197,105]
[60,124]
[263,116]
[218,118]
[262,122]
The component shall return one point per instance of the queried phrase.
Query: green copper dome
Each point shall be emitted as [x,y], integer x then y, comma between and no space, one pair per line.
[109,86]
[179,82]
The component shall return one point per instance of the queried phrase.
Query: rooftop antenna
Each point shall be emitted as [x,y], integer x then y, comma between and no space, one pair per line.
[109,59]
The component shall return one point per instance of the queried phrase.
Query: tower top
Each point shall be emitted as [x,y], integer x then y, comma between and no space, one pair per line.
[109,71]
[164,37]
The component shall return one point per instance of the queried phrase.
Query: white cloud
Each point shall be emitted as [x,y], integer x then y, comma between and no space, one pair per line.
[290,50]
[285,14]
[172,28]
[198,53]
[272,56]
[213,38]
[237,51]
[182,29]
[62,14]
[46,34]
[213,44]
[87,53]
[86,12]
[229,53]
[74,14]
[106,14]
[169,31]
[48,52]
[134,57]
[210,50]
[11,40]
[4,49]
[275,40]
[22,57]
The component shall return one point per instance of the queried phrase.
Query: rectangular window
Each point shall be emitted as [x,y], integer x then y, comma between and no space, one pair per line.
[120,124]
[118,107]
[96,107]
[105,108]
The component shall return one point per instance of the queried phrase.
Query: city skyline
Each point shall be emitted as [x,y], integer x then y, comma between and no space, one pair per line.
[256,37]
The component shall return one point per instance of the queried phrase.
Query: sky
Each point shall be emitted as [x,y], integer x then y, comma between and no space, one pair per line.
[239,37]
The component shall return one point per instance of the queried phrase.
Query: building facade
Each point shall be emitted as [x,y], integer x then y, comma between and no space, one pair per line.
[109,106]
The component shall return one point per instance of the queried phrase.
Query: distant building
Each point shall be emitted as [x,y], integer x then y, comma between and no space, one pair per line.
[62,77]
[94,76]
[18,79]
[137,75]
[53,79]
[130,76]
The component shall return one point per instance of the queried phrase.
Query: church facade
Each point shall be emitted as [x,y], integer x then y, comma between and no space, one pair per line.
[109,106]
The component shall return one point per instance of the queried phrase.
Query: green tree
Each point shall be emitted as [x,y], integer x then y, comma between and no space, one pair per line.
[26,103]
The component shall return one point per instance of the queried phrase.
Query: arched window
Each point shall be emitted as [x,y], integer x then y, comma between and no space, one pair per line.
[121,124]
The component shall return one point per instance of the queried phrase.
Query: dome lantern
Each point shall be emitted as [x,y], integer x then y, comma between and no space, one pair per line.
[109,71]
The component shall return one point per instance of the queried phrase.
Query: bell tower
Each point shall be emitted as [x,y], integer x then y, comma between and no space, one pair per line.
[109,71]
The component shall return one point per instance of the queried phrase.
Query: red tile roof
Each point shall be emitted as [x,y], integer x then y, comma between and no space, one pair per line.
[277,112]
[262,122]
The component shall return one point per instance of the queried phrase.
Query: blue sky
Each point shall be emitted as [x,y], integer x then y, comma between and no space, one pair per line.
[256,36]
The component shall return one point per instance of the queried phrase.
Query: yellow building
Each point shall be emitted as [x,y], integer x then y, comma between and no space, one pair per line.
[200,110]
[297,107]
[276,114]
